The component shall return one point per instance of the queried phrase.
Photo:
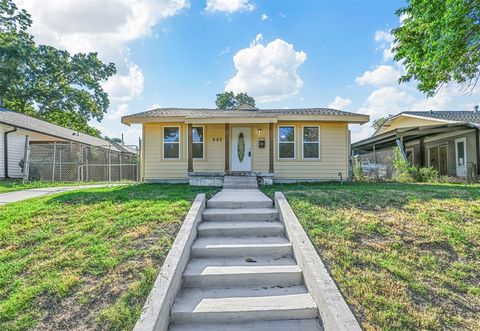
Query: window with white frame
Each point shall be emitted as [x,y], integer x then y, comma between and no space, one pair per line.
[286,142]
[171,142]
[311,142]
[198,142]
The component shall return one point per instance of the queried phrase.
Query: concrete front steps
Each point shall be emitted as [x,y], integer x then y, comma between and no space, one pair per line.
[242,273]
[240,182]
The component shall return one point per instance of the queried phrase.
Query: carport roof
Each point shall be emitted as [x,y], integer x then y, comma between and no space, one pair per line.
[410,133]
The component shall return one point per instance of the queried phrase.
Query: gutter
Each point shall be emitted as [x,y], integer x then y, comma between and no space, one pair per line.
[5,149]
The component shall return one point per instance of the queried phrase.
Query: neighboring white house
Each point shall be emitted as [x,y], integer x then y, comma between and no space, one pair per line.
[14,127]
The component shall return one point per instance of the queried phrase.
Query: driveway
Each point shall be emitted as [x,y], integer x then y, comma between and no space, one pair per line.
[38,192]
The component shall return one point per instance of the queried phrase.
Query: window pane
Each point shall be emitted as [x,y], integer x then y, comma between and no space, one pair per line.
[197,134]
[286,133]
[198,150]
[287,151]
[461,153]
[171,150]
[310,150]
[171,135]
[310,133]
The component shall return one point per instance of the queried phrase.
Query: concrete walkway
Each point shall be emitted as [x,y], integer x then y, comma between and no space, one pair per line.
[15,196]
[242,274]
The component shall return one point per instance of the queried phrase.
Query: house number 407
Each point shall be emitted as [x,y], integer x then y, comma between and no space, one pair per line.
[216,139]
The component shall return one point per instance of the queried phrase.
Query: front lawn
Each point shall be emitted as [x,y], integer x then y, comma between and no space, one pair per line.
[11,185]
[405,256]
[87,259]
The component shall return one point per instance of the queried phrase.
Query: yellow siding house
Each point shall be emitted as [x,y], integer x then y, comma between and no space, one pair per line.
[200,146]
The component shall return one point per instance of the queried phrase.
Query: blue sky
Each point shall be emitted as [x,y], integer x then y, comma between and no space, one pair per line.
[287,54]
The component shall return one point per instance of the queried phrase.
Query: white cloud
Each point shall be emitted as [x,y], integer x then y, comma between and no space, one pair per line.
[267,72]
[383,75]
[387,100]
[125,87]
[264,17]
[340,103]
[224,51]
[383,36]
[229,6]
[131,135]
[105,27]
[381,103]
[444,99]
[386,43]
[89,25]
[122,110]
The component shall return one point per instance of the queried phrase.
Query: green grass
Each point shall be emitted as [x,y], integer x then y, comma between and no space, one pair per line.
[405,256]
[17,185]
[88,258]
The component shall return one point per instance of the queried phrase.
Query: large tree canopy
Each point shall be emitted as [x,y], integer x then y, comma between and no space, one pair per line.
[228,100]
[439,43]
[48,83]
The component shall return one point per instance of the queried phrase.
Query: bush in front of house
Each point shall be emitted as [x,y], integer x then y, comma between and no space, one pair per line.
[427,175]
[357,170]
[406,173]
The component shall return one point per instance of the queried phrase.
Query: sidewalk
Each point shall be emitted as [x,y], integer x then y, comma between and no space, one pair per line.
[10,197]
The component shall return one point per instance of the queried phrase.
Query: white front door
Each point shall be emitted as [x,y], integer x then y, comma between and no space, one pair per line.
[461,157]
[240,150]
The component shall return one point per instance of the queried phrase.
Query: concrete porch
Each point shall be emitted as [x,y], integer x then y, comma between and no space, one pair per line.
[219,179]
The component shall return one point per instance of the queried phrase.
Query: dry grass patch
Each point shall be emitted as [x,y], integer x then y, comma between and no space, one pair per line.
[405,256]
[86,260]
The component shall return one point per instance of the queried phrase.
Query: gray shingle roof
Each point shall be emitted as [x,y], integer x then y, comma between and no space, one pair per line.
[455,116]
[29,123]
[212,113]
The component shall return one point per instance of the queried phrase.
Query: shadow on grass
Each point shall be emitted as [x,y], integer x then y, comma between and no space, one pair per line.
[141,192]
[374,196]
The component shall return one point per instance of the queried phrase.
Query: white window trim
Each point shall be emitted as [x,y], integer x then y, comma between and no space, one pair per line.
[294,142]
[311,142]
[179,143]
[464,140]
[203,142]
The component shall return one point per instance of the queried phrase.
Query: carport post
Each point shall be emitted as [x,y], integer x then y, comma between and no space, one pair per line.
[120,164]
[109,164]
[26,160]
[54,156]
[402,149]
[375,161]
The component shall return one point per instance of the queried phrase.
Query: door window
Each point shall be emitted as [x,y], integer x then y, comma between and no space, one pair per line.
[460,153]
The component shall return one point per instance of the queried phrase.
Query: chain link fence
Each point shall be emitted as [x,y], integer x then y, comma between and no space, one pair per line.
[76,162]
[376,164]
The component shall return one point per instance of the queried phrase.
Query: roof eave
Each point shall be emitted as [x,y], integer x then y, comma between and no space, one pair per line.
[356,119]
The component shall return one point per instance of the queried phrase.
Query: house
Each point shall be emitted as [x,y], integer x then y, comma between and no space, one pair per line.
[445,140]
[15,127]
[200,146]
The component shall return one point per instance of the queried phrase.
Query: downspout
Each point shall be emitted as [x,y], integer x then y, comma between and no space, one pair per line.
[477,143]
[5,150]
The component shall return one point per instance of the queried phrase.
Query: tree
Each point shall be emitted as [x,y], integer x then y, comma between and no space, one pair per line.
[115,140]
[46,82]
[439,43]
[379,122]
[16,45]
[228,100]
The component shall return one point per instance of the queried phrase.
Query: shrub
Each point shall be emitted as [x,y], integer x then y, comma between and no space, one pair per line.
[427,175]
[358,174]
[404,172]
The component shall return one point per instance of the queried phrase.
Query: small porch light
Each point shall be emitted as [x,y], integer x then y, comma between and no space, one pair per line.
[259,131]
